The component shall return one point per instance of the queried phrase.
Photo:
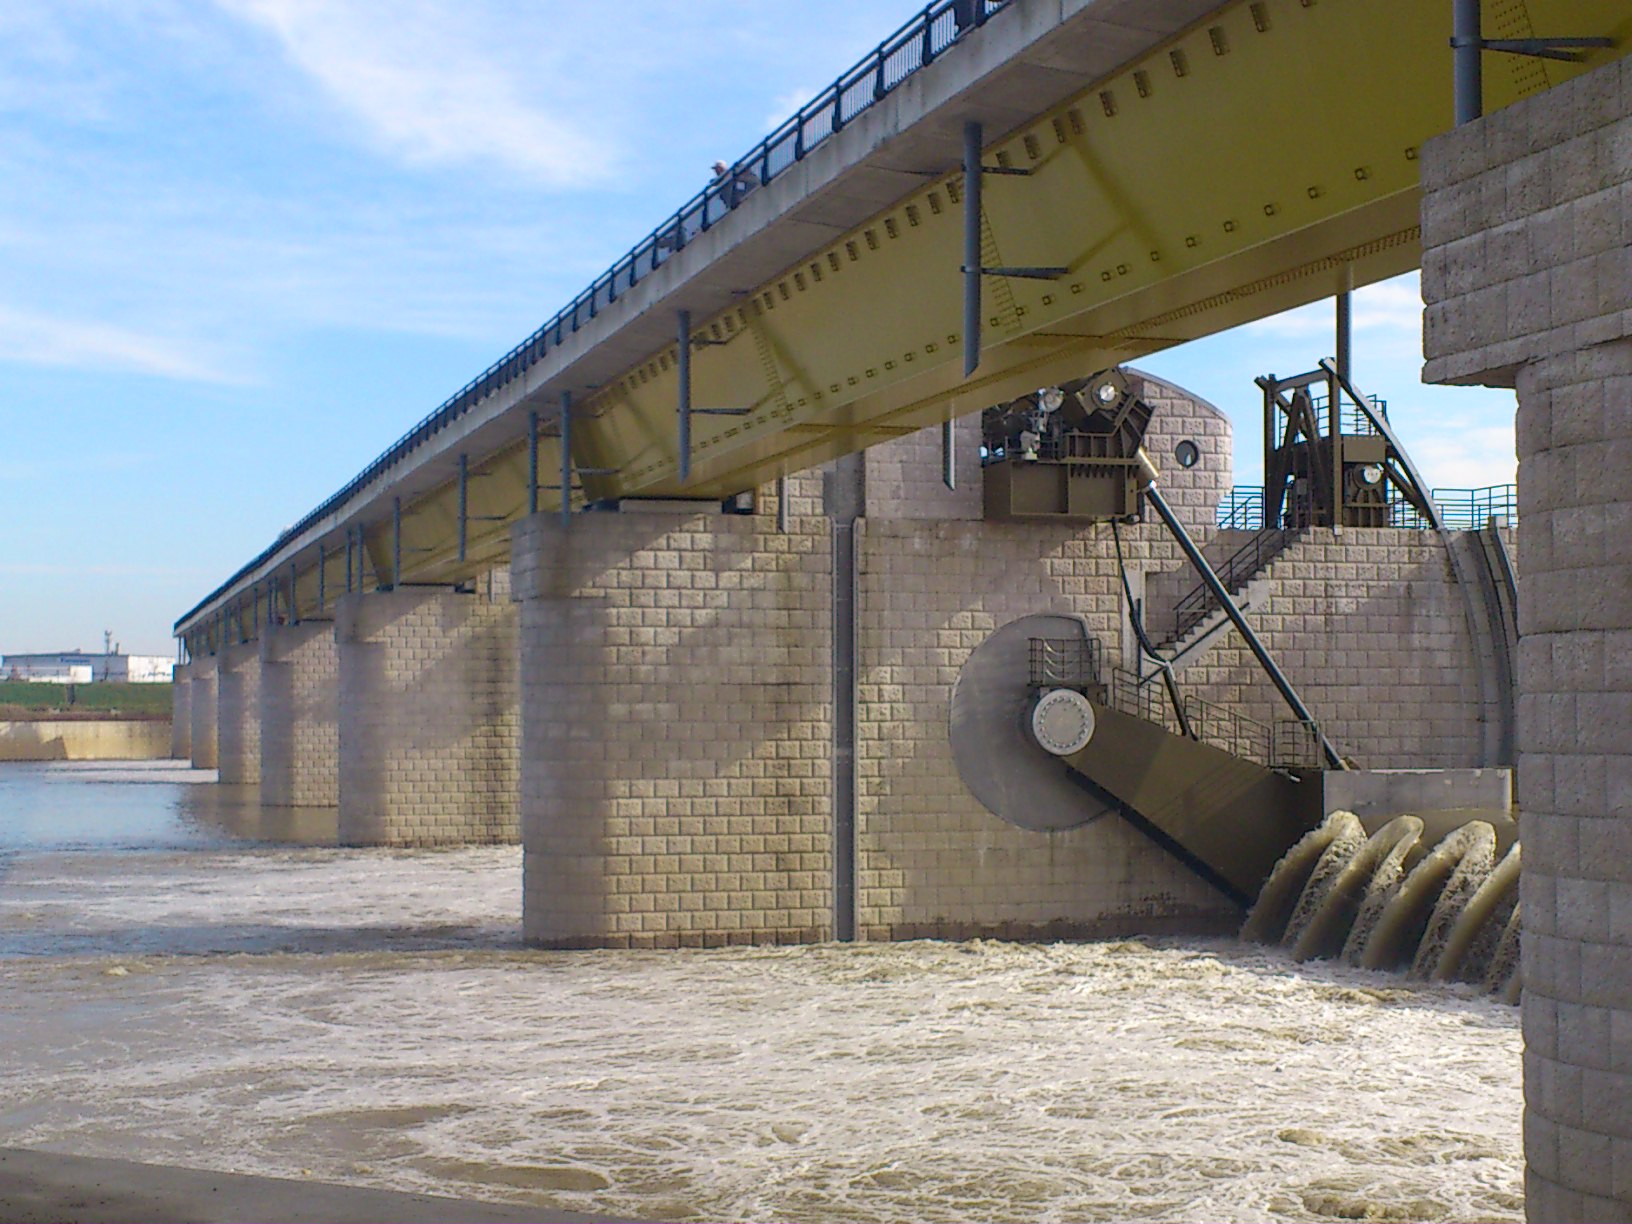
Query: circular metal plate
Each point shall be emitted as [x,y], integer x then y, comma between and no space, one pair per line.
[1062,722]
[991,741]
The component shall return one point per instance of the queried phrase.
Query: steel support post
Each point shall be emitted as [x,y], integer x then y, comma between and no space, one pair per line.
[1272,426]
[348,560]
[971,247]
[396,542]
[949,456]
[464,504]
[1467,42]
[683,371]
[532,463]
[1345,333]
[566,458]
[782,504]
[294,594]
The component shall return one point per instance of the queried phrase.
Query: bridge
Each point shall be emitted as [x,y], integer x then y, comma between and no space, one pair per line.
[715,708]
[1155,172]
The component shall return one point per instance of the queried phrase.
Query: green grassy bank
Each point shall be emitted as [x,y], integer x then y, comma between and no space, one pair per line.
[26,699]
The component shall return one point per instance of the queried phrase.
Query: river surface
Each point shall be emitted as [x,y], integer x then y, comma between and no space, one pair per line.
[184,979]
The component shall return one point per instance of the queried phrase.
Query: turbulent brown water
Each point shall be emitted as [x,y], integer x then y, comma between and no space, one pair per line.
[181,994]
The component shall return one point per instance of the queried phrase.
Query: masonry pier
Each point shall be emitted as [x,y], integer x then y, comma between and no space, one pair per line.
[300,715]
[181,712]
[201,709]
[1527,278]
[238,714]
[428,716]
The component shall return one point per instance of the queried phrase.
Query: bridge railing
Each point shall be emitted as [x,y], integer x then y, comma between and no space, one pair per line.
[917,44]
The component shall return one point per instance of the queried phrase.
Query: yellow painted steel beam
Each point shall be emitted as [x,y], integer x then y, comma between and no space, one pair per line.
[1265,158]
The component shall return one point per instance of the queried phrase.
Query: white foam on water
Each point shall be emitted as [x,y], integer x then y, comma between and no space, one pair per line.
[929,1081]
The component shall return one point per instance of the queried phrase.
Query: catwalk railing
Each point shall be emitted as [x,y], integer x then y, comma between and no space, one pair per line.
[1242,508]
[1286,744]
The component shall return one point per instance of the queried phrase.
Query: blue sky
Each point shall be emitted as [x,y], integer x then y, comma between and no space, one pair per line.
[245,244]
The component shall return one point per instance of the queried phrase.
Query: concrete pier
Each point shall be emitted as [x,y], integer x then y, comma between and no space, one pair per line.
[300,715]
[201,711]
[684,772]
[428,716]
[238,714]
[677,727]
[181,712]
[1527,278]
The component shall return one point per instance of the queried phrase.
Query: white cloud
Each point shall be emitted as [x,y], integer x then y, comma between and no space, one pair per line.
[42,340]
[427,89]
[1459,454]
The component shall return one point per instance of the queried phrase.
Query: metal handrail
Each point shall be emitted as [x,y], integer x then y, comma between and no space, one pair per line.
[1472,509]
[1075,663]
[914,46]
[1241,509]
[1265,545]
[1288,744]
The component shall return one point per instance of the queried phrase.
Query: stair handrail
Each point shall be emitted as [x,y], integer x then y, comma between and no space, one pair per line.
[1266,544]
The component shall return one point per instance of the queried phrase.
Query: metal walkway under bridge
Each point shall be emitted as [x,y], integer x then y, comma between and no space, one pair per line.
[1143,172]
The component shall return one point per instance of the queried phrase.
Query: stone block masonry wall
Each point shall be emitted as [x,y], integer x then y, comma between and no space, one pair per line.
[1527,282]
[181,713]
[201,688]
[428,718]
[1194,492]
[932,861]
[300,715]
[1371,630]
[677,715]
[678,732]
[238,714]
[905,477]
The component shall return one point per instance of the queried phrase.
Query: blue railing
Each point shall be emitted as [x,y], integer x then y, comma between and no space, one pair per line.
[915,45]
[1242,508]
[1460,509]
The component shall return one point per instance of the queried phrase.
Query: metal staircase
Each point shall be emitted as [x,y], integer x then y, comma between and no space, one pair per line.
[1247,562]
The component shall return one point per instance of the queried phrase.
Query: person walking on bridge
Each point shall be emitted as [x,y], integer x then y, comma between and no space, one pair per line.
[733,185]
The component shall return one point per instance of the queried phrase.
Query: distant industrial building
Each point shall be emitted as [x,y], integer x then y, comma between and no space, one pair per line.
[82,667]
